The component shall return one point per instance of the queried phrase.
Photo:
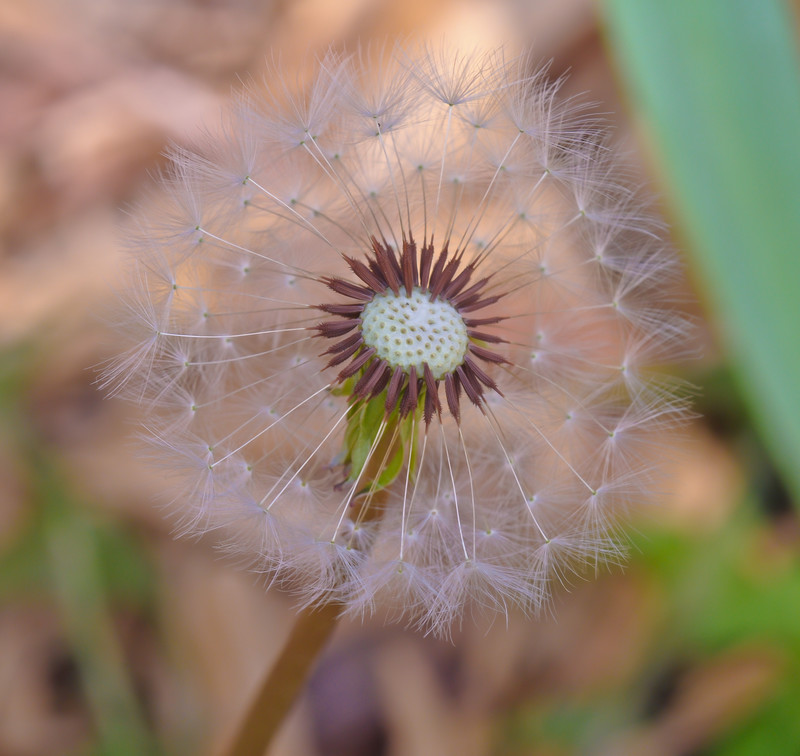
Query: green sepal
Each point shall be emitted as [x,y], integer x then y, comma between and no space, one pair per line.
[363,425]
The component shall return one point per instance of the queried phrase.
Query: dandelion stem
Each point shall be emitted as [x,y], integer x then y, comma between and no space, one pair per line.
[279,689]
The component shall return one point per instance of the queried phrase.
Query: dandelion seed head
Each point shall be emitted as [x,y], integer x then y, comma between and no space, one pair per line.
[392,331]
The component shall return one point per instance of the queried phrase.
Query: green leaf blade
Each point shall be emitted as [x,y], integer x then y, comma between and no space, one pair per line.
[717,83]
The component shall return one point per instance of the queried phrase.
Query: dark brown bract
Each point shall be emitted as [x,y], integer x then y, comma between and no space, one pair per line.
[448,278]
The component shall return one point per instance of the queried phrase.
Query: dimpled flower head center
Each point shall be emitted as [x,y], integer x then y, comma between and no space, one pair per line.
[409,331]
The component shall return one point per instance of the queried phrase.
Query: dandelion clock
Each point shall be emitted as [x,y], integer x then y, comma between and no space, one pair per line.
[392,333]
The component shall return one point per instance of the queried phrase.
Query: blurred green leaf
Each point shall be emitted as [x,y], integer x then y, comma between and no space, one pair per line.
[728,589]
[734,591]
[718,86]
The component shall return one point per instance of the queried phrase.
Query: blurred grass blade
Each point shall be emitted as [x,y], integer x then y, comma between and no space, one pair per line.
[120,724]
[717,83]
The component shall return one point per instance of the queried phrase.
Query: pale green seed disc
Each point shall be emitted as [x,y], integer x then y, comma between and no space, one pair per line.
[408,331]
